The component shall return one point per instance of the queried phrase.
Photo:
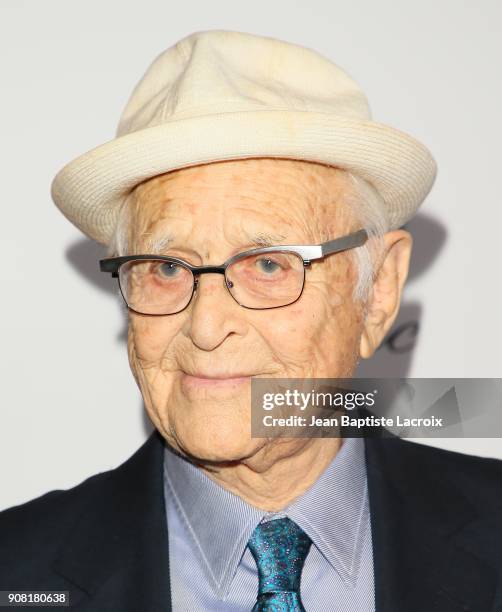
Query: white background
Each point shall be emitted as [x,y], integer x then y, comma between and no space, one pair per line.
[70,407]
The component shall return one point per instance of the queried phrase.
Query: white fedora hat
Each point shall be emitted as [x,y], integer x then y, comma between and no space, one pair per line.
[219,95]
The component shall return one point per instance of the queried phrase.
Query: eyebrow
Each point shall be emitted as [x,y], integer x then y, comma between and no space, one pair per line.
[264,239]
[156,245]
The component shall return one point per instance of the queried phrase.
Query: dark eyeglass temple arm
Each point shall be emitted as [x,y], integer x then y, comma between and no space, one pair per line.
[108,266]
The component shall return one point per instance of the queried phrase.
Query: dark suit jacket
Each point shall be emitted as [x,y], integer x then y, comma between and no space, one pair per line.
[436,522]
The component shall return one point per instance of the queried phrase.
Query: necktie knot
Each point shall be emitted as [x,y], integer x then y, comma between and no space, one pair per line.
[279,548]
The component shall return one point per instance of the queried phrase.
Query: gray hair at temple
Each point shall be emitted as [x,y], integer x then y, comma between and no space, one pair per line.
[366,206]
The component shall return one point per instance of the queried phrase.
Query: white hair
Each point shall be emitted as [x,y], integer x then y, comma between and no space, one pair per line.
[370,212]
[366,206]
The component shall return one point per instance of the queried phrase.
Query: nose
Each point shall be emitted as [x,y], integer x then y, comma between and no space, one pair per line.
[214,314]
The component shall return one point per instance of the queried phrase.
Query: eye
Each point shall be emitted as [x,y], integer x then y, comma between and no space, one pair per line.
[169,269]
[267,265]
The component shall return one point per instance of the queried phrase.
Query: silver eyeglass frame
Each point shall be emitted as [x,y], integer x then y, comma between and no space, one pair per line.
[307,253]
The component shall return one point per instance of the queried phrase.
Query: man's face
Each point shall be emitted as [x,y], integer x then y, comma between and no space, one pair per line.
[194,368]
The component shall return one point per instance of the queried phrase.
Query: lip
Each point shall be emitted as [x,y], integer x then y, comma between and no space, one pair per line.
[200,380]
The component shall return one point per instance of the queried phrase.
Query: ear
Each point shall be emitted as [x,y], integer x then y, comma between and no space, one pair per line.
[383,305]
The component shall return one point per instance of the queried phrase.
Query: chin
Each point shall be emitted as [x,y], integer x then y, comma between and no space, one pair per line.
[212,447]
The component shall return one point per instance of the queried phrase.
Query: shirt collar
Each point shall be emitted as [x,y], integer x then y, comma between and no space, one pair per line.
[333,512]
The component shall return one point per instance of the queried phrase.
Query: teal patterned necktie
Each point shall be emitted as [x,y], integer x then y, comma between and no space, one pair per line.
[279,548]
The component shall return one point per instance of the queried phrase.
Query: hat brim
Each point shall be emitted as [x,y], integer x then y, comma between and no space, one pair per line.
[90,189]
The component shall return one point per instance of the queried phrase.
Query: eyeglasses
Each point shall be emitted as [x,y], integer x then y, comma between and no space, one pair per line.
[259,279]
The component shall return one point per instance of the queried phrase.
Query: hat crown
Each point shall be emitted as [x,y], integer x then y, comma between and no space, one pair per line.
[218,95]
[220,71]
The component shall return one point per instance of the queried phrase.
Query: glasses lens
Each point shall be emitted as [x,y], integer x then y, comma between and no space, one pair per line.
[152,286]
[266,280]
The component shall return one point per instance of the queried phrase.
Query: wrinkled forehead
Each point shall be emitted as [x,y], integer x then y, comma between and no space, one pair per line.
[255,201]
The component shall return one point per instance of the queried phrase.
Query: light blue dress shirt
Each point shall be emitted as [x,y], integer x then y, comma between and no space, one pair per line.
[211,567]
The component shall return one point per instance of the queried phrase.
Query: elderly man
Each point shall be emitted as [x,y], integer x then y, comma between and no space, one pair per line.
[253,215]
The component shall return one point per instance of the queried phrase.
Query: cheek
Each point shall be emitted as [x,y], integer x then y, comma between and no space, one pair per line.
[319,332]
[152,336]
[292,333]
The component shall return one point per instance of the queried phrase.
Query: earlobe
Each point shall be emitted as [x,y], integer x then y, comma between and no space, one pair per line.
[365,346]
[372,333]
[383,305]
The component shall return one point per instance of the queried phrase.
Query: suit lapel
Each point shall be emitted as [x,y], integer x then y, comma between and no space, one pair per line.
[117,552]
[417,522]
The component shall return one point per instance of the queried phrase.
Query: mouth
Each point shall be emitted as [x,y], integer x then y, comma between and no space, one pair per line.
[207,381]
